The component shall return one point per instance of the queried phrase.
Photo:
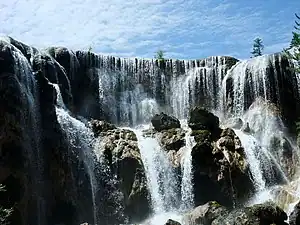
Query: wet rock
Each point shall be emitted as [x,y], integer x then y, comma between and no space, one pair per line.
[205,214]
[261,214]
[294,218]
[172,139]
[100,126]
[219,162]
[163,121]
[120,149]
[246,128]
[172,222]
[201,119]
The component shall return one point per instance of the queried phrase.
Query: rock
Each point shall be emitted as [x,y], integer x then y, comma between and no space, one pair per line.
[246,128]
[99,126]
[163,121]
[261,214]
[235,123]
[201,119]
[205,214]
[172,139]
[172,222]
[120,149]
[294,218]
[221,164]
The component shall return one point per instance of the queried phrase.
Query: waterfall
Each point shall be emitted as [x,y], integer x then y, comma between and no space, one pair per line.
[162,180]
[80,137]
[32,132]
[187,191]
[199,85]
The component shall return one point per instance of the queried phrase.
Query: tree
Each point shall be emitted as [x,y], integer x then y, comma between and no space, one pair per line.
[160,55]
[257,47]
[293,52]
[4,213]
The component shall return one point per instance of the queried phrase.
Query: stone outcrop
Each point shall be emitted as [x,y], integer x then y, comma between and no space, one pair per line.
[261,214]
[205,214]
[172,222]
[120,149]
[294,218]
[163,121]
[201,119]
[218,161]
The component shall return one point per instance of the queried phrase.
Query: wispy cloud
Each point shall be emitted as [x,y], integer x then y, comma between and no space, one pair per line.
[184,28]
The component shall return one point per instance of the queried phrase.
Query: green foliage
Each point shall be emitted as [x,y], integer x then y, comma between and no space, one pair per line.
[90,49]
[257,47]
[293,52]
[160,55]
[4,213]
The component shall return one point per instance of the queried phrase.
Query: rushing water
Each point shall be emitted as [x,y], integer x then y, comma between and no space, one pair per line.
[161,176]
[187,191]
[79,137]
[32,133]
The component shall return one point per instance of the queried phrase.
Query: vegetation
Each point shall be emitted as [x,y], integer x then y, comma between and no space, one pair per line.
[160,55]
[257,47]
[293,52]
[4,213]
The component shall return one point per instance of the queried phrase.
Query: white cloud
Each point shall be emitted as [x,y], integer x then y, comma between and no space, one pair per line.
[138,27]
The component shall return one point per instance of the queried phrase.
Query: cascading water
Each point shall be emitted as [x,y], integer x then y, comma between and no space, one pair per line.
[162,180]
[187,192]
[199,86]
[32,136]
[79,137]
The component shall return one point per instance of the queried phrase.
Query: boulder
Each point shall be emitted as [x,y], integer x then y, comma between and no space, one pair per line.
[172,139]
[172,222]
[260,214]
[219,162]
[163,121]
[120,150]
[99,126]
[205,214]
[294,218]
[202,119]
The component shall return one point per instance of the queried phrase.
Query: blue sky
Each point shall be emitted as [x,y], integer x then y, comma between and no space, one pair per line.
[185,29]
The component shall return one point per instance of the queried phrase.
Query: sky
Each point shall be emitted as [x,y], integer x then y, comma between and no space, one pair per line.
[184,29]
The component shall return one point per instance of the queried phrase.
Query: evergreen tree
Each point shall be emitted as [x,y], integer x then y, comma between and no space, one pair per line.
[293,52]
[257,47]
[160,55]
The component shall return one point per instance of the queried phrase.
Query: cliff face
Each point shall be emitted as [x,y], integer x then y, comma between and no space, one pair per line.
[37,160]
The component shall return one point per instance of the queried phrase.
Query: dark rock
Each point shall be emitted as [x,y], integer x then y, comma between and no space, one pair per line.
[172,222]
[294,218]
[261,214]
[246,128]
[205,214]
[164,122]
[220,163]
[201,119]
[100,126]
[172,139]
[121,151]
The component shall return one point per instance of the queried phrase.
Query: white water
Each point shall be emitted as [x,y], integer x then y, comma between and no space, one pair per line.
[161,177]
[80,137]
[32,127]
[187,191]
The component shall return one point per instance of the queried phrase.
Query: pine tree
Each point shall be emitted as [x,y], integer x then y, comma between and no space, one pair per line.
[257,47]
[160,55]
[293,52]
